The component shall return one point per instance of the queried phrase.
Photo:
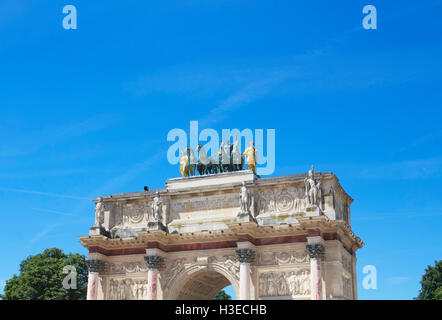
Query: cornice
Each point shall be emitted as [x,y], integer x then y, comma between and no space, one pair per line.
[250,231]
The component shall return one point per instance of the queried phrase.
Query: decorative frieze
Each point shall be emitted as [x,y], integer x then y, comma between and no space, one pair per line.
[282,258]
[126,267]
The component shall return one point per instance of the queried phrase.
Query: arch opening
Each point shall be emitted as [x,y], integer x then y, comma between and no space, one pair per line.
[202,285]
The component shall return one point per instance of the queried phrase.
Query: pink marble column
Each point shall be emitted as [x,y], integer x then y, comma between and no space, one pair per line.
[315,251]
[92,286]
[245,257]
[153,262]
[244,281]
[93,278]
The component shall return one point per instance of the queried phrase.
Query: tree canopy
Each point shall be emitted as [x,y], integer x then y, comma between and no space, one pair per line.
[431,283]
[41,277]
[222,295]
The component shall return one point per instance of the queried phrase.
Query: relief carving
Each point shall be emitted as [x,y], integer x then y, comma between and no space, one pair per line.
[290,200]
[279,258]
[229,263]
[284,283]
[127,289]
[125,267]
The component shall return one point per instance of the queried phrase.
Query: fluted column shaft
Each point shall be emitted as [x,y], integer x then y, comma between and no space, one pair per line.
[245,257]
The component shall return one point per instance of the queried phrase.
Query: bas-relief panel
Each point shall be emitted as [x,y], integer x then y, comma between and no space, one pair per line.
[283,283]
[126,280]
[283,273]
[287,200]
[133,214]
[130,213]
[126,289]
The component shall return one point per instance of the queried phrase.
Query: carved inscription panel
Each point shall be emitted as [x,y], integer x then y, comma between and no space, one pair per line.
[196,207]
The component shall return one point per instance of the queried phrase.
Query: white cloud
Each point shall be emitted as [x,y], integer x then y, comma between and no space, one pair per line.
[44,232]
[41,193]
[397,280]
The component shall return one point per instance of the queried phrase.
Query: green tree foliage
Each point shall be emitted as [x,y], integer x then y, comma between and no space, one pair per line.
[431,283]
[222,295]
[41,277]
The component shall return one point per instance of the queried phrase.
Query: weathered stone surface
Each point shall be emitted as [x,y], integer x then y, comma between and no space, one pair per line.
[203,228]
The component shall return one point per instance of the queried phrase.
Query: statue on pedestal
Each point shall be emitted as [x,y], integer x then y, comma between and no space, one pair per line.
[156,208]
[312,188]
[245,199]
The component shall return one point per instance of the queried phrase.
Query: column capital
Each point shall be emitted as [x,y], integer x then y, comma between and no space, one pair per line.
[315,250]
[245,255]
[95,265]
[153,261]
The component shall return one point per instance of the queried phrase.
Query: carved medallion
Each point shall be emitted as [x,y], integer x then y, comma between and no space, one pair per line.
[284,202]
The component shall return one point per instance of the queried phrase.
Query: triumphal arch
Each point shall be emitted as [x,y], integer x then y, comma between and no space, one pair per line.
[286,237]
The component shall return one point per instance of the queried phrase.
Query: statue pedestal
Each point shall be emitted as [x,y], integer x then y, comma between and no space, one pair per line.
[96,231]
[313,211]
[156,225]
[245,217]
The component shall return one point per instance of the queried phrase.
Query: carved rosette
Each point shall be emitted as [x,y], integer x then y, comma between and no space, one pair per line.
[95,265]
[245,255]
[153,261]
[315,250]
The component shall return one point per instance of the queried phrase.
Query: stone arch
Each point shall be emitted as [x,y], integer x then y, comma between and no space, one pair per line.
[197,275]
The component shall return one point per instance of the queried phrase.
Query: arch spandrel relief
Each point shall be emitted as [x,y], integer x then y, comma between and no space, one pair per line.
[179,269]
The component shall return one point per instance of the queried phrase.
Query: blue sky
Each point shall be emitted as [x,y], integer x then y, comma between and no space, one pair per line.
[86,112]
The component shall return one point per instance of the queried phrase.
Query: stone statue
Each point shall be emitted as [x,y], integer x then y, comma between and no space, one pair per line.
[156,208]
[252,156]
[99,212]
[188,162]
[312,188]
[245,199]
[183,163]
